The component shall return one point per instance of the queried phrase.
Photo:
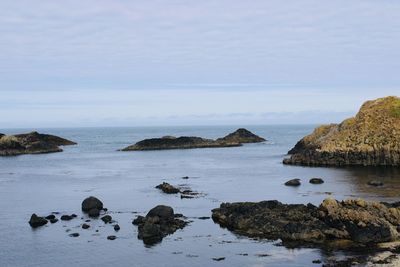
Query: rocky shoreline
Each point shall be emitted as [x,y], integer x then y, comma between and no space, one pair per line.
[371,138]
[234,139]
[356,221]
[31,143]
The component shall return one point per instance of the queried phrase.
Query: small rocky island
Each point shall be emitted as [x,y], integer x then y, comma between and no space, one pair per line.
[371,138]
[234,139]
[355,220]
[31,143]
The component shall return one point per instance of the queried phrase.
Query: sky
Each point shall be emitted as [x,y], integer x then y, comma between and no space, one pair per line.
[137,63]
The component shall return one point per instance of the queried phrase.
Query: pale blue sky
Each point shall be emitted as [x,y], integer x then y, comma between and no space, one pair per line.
[95,63]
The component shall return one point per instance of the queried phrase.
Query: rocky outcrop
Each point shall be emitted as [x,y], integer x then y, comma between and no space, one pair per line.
[159,222]
[36,221]
[31,143]
[167,188]
[241,136]
[358,221]
[236,138]
[371,138]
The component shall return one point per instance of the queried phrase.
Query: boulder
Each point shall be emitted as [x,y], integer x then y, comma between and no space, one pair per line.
[66,217]
[117,227]
[85,226]
[158,223]
[91,203]
[94,213]
[293,182]
[36,221]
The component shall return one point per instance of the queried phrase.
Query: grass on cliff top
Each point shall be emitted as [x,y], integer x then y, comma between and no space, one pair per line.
[8,139]
[395,109]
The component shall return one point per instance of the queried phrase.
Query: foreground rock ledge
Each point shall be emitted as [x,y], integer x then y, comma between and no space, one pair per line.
[31,143]
[236,138]
[371,138]
[357,221]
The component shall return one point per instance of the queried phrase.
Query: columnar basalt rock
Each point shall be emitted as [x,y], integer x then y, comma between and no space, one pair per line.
[371,138]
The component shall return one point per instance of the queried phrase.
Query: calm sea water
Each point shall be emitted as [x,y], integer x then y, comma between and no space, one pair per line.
[125,182]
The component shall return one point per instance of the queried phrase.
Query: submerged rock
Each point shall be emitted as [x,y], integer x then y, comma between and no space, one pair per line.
[85,226]
[185,142]
[158,223]
[91,203]
[31,143]
[371,138]
[167,188]
[36,221]
[357,220]
[94,213]
[106,218]
[66,217]
[293,182]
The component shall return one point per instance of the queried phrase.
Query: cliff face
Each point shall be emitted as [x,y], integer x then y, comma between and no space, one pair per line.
[372,138]
[31,143]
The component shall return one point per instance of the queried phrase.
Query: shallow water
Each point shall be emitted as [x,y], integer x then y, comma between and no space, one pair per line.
[125,182]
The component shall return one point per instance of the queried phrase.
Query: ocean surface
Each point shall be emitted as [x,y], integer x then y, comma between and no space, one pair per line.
[125,182]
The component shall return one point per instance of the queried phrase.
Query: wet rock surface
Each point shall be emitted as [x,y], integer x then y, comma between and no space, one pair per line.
[236,138]
[158,223]
[358,221]
[371,138]
[316,181]
[31,143]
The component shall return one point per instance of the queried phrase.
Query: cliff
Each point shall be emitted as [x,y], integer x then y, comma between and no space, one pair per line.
[371,138]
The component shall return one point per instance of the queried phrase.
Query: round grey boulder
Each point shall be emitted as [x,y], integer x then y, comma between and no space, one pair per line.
[91,203]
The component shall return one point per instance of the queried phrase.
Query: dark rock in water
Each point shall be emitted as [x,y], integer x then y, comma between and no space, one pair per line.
[139,220]
[316,181]
[167,188]
[316,261]
[204,218]
[111,237]
[163,212]
[37,221]
[158,223]
[74,215]
[85,226]
[185,177]
[375,183]
[293,182]
[91,203]
[241,136]
[74,235]
[356,220]
[106,218]
[186,196]
[116,227]
[53,220]
[185,142]
[94,213]
[66,217]
[50,217]
[31,143]
[371,138]
[219,259]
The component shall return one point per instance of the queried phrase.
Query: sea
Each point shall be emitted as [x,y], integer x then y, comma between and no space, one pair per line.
[125,182]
